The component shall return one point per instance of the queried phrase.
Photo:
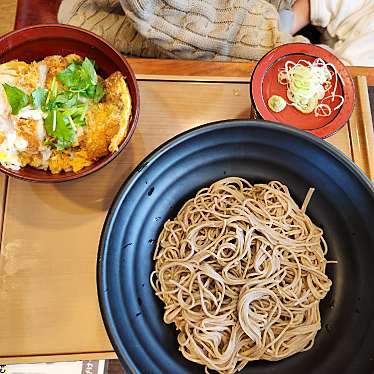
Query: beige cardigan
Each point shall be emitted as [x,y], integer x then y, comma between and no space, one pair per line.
[245,29]
[184,29]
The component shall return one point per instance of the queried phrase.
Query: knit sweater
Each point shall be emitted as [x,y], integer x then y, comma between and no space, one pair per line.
[183,29]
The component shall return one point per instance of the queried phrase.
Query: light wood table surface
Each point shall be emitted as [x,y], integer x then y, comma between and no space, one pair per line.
[7,15]
[49,238]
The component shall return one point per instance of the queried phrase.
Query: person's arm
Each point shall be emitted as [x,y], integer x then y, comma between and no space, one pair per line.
[301,10]
[352,23]
[333,13]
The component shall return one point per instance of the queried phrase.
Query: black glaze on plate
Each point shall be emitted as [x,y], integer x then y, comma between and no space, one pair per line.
[343,205]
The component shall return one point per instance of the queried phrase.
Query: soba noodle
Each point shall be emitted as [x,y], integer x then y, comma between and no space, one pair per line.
[241,271]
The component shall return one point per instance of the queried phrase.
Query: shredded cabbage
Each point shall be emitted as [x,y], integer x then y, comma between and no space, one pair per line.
[307,85]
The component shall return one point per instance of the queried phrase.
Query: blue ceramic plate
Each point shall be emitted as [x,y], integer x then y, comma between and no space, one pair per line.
[343,205]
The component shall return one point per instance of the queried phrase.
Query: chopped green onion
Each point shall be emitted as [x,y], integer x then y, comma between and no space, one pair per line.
[307,83]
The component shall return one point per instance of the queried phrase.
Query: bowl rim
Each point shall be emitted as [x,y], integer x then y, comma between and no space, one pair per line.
[271,57]
[99,164]
[102,286]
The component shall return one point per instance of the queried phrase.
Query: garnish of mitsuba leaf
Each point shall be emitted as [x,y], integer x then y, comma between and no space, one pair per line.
[59,127]
[17,99]
[81,78]
[39,97]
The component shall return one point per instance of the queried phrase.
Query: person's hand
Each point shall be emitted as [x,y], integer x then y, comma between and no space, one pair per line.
[301,9]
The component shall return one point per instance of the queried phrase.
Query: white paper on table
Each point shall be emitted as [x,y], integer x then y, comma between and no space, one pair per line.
[76,367]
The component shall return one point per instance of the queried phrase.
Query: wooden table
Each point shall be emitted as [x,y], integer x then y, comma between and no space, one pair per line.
[49,233]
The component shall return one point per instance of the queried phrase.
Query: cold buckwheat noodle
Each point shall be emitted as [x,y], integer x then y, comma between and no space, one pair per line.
[241,271]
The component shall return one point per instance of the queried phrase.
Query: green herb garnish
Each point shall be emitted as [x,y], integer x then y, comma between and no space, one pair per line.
[39,97]
[17,99]
[77,113]
[65,99]
[58,126]
[99,92]
[79,77]
[65,103]
[89,68]
[70,77]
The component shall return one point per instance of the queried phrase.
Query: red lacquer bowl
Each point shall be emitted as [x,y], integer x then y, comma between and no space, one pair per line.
[264,84]
[36,42]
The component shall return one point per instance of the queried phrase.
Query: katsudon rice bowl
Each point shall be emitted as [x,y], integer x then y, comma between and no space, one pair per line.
[63,115]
